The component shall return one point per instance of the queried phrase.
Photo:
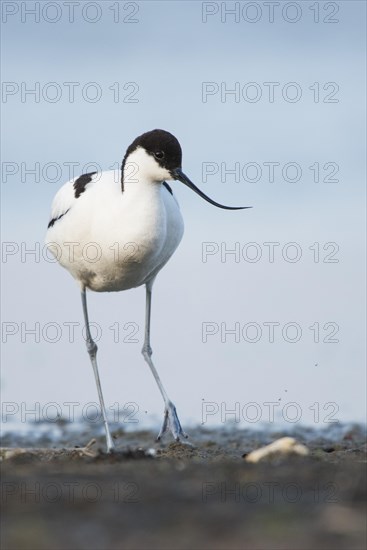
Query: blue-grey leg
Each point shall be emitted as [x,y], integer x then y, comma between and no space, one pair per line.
[170,421]
[92,350]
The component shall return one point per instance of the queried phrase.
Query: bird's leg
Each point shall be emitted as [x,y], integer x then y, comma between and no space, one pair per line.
[92,350]
[170,421]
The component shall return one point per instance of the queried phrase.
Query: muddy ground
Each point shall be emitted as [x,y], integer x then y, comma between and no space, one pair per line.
[202,495]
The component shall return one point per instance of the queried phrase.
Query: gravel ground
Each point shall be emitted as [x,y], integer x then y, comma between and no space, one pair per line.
[199,495]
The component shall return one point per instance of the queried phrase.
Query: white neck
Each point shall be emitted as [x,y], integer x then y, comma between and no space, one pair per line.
[141,168]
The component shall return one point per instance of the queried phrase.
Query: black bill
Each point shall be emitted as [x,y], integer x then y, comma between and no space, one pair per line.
[177,174]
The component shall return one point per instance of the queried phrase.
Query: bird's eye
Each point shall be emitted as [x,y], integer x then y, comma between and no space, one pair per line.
[159,154]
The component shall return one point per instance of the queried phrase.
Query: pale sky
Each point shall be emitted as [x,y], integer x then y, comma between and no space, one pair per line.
[199,80]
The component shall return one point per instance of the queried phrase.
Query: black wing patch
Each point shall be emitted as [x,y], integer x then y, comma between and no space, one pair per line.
[52,222]
[168,187]
[81,183]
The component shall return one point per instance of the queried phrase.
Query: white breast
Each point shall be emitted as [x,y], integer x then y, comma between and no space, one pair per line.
[109,240]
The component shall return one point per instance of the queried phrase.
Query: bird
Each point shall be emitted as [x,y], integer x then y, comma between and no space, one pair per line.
[115,230]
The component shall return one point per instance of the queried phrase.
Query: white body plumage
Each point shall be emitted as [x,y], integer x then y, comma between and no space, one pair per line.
[111,240]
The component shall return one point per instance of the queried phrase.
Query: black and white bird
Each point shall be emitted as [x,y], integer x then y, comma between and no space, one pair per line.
[115,230]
